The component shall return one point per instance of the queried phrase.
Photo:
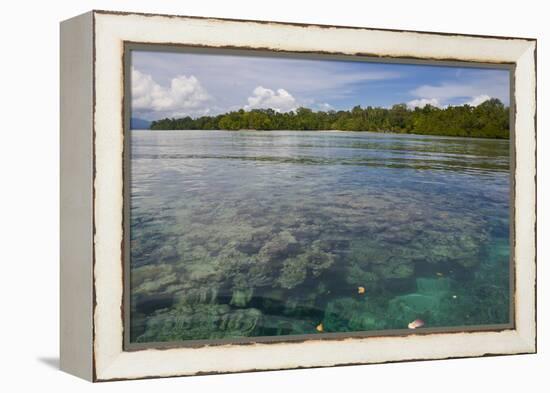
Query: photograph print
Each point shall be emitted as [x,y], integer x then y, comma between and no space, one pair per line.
[278,196]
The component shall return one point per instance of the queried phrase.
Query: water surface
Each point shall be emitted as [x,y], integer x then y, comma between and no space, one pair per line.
[269,233]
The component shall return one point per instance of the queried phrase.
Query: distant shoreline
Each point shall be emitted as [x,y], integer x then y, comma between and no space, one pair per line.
[334,131]
[490,119]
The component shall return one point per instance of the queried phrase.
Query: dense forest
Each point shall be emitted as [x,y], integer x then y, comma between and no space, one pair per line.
[487,120]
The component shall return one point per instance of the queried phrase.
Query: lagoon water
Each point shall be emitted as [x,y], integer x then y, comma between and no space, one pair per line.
[270,233]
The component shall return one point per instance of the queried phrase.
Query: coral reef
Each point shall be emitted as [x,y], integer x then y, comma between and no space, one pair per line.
[225,247]
[191,323]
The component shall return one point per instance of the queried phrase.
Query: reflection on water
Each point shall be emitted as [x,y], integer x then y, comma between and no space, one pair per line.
[237,234]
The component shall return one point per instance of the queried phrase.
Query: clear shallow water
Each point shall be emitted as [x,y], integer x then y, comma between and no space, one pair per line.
[237,234]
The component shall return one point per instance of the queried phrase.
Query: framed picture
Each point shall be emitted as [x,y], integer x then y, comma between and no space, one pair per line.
[245,195]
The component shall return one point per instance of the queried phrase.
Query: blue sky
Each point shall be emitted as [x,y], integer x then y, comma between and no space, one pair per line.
[169,84]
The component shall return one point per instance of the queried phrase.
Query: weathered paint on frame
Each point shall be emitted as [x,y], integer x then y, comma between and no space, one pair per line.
[110,362]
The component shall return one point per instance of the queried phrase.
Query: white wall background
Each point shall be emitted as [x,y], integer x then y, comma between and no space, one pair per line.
[29,195]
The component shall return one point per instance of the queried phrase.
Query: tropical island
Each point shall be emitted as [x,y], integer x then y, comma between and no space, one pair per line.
[490,119]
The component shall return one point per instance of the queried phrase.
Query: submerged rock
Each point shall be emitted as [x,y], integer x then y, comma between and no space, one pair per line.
[294,271]
[318,260]
[425,303]
[252,242]
[241,297]
[394,269]
[347,314]
[405,308]
[279,246]
[152,279]
[280,325]
[193,296]
[356,276]
[201,322]
[305,305]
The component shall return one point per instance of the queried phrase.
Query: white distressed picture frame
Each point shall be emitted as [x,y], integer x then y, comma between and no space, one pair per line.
[92,151]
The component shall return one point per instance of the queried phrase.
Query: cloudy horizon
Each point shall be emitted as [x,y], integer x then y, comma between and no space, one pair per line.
[170,84]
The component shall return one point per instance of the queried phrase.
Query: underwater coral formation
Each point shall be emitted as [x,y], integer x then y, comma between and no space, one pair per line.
[227,248]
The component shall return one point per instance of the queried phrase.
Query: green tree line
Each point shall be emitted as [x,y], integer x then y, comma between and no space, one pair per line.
[487,120]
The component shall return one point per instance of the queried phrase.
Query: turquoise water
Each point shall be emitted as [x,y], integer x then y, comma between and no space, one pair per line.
[243,234]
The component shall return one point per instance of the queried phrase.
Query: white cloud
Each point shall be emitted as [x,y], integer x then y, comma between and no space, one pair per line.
[446,91]
[262,98]
[474,91]
[422,102]
[184,96]
[477,100]
[325,106]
